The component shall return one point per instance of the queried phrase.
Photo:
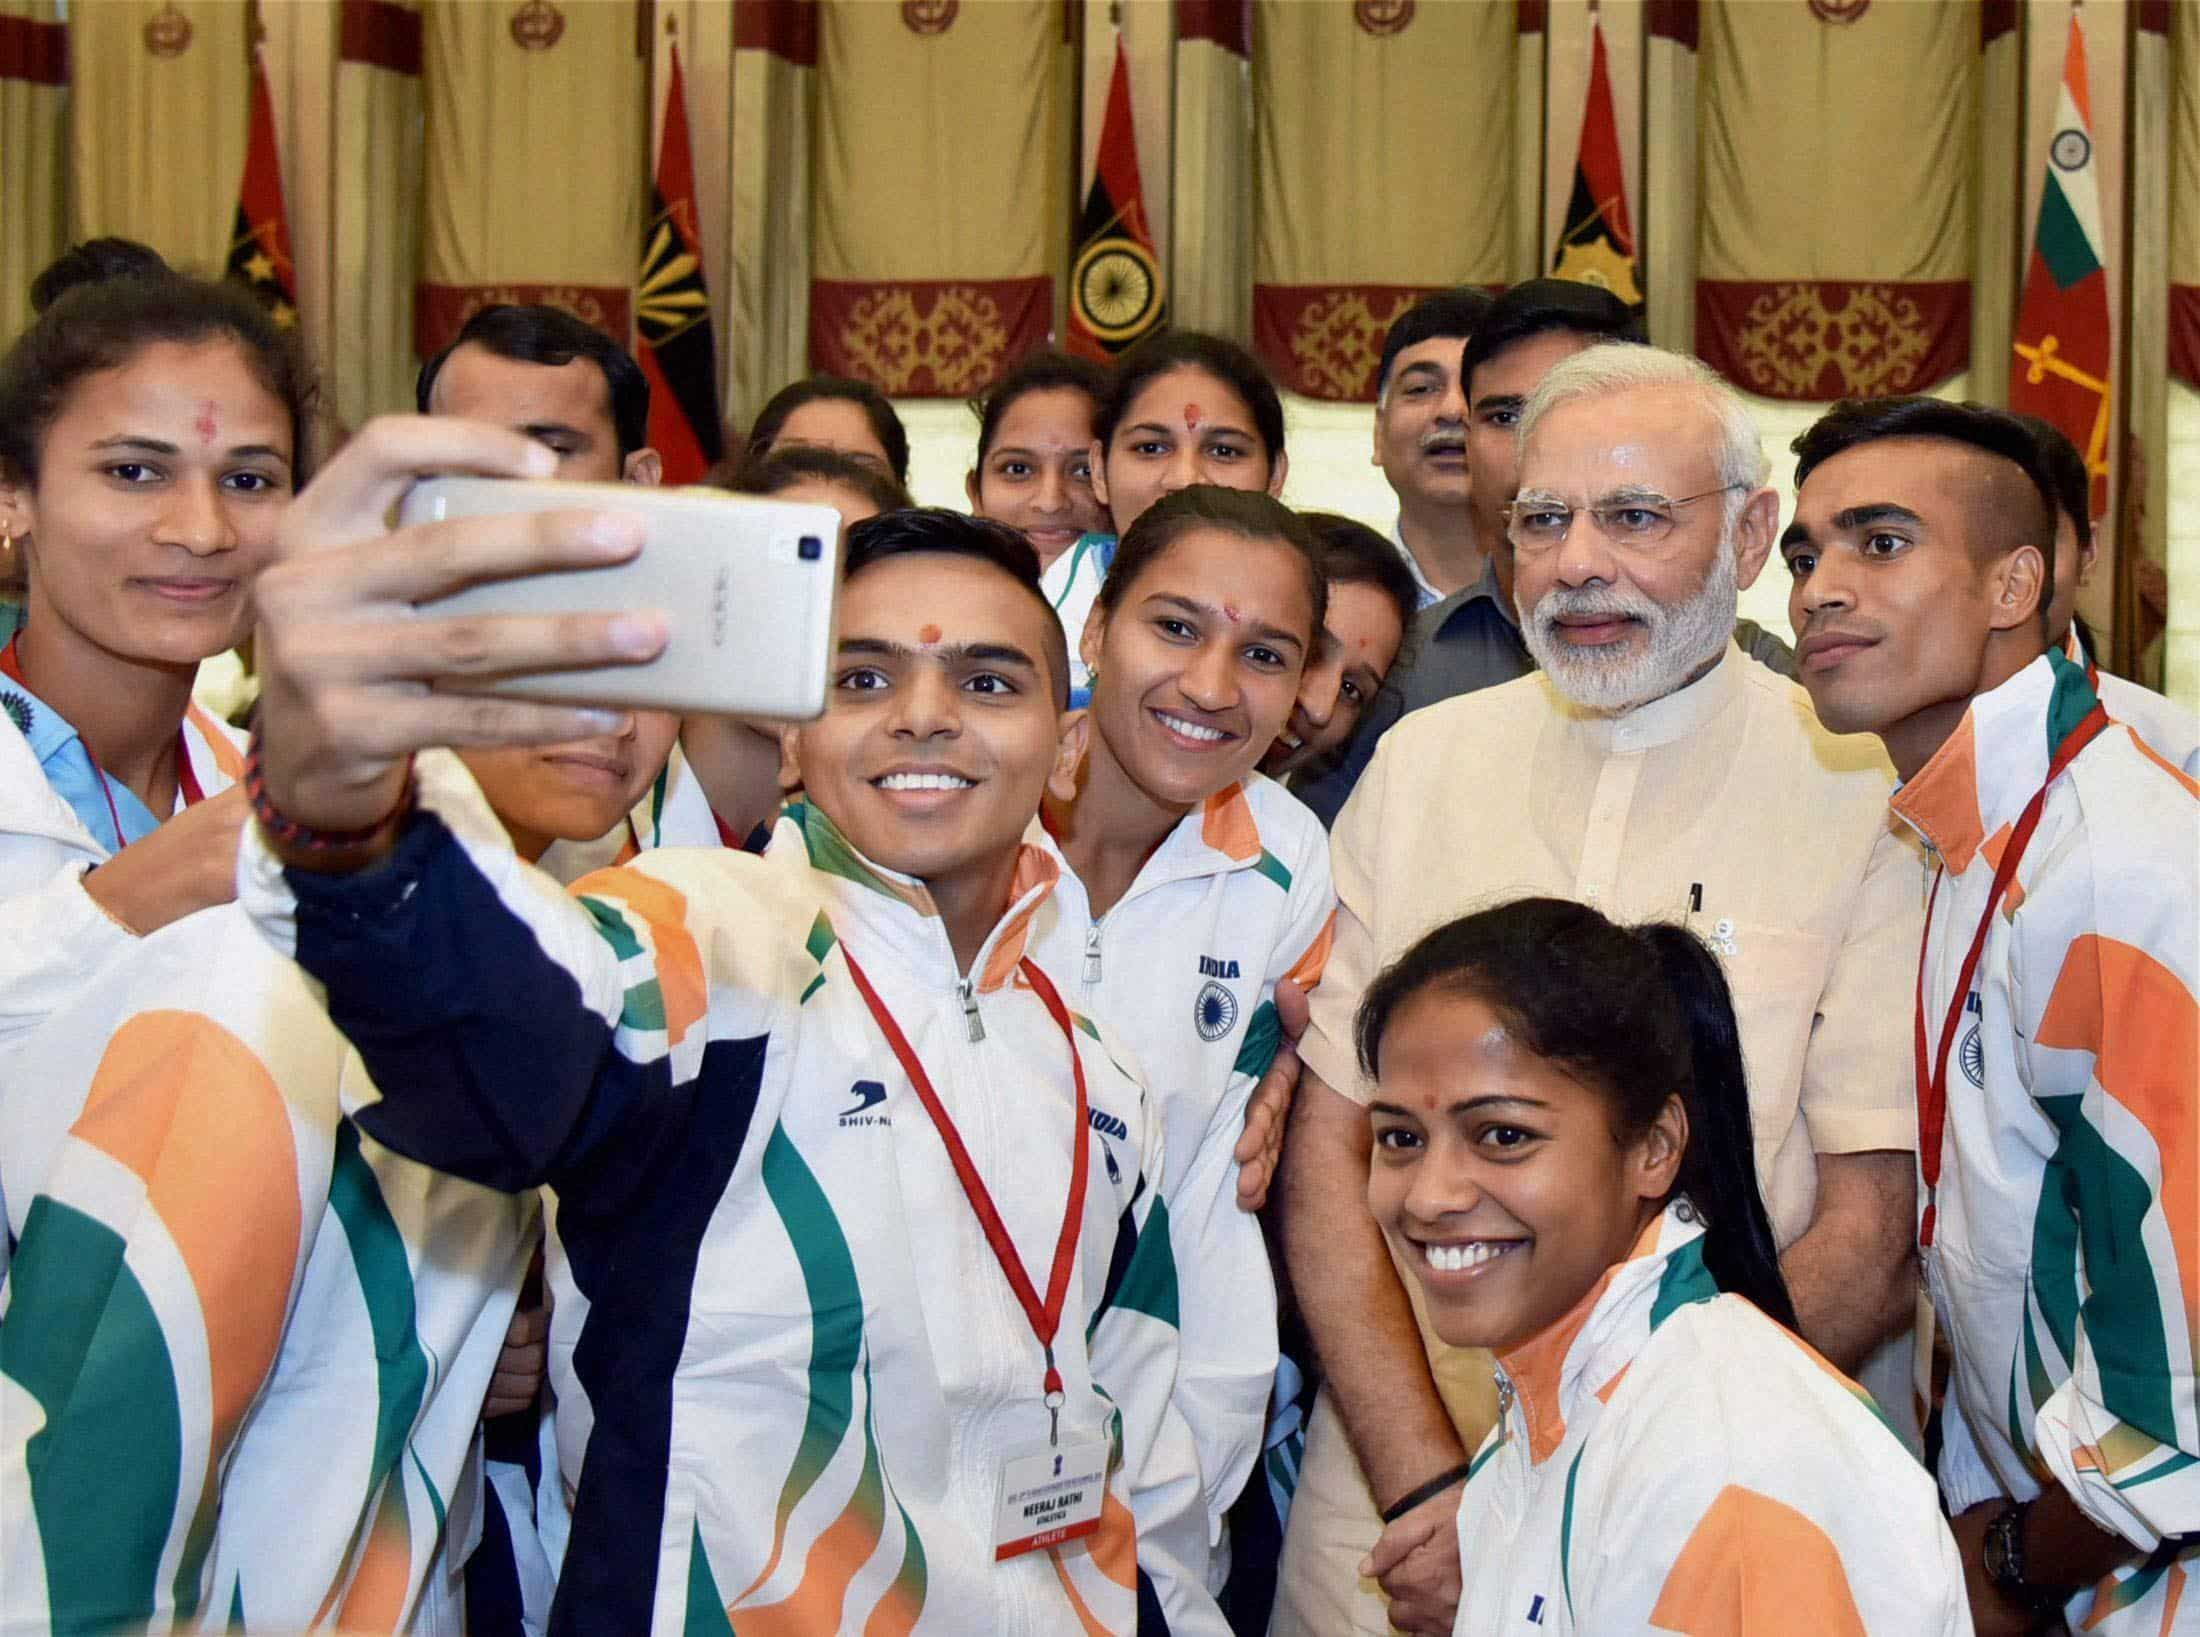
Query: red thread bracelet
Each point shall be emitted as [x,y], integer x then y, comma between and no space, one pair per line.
[288,833]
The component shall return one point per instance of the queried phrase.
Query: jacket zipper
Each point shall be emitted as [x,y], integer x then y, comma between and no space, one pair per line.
[966,992]
[1092,953]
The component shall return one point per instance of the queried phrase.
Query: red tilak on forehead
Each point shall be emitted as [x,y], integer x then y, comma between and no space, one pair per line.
[1230,610]
[207,426]
[1191,416]
[928,634]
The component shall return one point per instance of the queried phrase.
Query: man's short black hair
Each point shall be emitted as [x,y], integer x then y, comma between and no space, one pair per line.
[553,336]
[1857,421]
[2067,476]
[1453,313]
[936,531]
[1540,306]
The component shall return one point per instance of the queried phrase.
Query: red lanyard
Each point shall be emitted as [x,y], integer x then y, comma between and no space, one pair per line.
[1046,1316]
[187,782]
[1932,1084]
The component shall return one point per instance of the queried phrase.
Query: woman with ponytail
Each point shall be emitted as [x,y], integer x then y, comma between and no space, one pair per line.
[1562,1159]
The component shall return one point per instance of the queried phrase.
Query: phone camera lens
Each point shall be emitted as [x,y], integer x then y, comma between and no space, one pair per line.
[810,549]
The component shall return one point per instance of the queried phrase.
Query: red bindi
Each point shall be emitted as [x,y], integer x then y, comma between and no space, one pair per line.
[928,635]
[208,427]
[1191,416]
[1230,609]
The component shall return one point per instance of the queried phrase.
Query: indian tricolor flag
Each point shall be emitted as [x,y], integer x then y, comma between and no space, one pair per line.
[2063,347]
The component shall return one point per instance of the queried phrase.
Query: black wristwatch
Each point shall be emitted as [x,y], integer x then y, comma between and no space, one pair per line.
[2001,1555]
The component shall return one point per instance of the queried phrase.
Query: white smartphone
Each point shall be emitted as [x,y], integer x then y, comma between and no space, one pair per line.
[747,586]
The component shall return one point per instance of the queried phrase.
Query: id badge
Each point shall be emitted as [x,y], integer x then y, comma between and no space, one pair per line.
[1923,1335]
[1050,1493]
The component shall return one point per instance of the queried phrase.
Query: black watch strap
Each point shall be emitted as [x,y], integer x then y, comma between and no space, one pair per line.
[2002,1553]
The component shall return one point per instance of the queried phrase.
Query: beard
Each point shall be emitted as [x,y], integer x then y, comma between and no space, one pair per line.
[1677,641]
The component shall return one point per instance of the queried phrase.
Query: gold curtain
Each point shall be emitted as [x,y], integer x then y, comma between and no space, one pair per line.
[2143,583]
[1997,255]
[1855,281]
[1524,189]
[1364,116]
[527,198]
[160,97]
[1212,172]
[941,163]
[373,247]
[774,111]
[1671,33]
[34,149]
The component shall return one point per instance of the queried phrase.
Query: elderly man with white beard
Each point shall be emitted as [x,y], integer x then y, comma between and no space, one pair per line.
[1652,770]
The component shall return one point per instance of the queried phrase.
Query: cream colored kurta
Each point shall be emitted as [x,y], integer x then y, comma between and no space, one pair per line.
[1725,805]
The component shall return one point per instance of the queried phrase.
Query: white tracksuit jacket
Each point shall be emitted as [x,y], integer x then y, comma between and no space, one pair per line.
[1184,967]
[243,1349]
[2065,1266]
[805,1366]
[1667,1458]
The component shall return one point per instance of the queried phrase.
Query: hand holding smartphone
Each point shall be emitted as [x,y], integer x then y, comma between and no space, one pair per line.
[747,588]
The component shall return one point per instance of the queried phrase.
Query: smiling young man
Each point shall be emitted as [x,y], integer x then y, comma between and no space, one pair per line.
[1421,440]
[881,1321]
[1652,771]
[2057,1037]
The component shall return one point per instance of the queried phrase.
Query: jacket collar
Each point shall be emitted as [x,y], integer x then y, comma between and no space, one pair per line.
[1980,778]
[884,910]
[1588,1350]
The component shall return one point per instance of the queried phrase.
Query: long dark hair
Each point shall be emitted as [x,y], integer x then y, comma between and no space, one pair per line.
[103,305]
[1636,1013]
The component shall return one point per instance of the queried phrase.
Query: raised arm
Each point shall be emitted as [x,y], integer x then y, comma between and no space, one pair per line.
[485,1004]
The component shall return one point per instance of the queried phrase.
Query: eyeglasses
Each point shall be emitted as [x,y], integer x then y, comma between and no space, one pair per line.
[1635,520]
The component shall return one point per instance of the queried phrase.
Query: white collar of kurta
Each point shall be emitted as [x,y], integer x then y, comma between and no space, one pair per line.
[1586,1351]
[1664,720]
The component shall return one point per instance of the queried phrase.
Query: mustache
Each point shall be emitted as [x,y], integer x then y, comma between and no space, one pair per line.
[1443,432]
[1596,601]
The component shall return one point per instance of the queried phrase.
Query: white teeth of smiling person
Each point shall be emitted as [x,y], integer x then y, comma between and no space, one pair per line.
[1192,730]
[1458,1258]
[923,781]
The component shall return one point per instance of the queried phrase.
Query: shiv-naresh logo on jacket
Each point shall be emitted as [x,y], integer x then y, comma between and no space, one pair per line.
[869,1094]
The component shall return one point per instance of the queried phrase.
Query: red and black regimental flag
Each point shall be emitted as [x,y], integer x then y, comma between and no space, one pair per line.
[1597,246]
[672,309]
[1115,292]
[259,245]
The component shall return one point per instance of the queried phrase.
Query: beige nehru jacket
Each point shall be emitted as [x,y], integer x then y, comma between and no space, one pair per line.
[1729,791]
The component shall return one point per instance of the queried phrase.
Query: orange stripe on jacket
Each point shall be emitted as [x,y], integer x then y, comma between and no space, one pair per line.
[2140,1022]
[679,962]
[187,1106]
[1755,1564]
